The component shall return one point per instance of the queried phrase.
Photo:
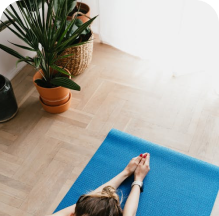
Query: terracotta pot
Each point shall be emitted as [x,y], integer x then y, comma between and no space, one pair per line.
[85,9]
[51,96]
[57,109]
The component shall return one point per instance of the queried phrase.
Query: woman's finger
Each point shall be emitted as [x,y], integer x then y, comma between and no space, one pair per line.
[147,162]
[138,159]
[142,161]
[139,156]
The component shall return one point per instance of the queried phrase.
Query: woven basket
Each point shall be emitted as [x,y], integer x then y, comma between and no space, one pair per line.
[82,57]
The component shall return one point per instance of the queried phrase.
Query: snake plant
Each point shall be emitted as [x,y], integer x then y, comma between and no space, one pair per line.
[37,27]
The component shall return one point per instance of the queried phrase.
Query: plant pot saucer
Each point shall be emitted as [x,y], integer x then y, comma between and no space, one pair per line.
[59,108]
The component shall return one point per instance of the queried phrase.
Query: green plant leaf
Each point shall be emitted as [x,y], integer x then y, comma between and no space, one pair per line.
[13,19]
[78,23]
[30,4]
[15,16]
[55,67]
[37,62]
[4,25]
[77,33]
[11,52]
[20,36]
[24,60]
[65,56]
[65,82]
[70,5]
[23,47]
[41,82]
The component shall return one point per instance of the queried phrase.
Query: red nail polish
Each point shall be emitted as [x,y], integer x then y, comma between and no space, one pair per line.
[140,155]
[145,156]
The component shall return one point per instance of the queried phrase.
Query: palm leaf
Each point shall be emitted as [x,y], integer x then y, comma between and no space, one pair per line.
[4,25]
[65,82]
[15,16]
[30,5]
[55,67]
[64,56]
[23,47]
[11,52]
[17,34]
[77,33]
[23,60]
[70,5]
[37,62]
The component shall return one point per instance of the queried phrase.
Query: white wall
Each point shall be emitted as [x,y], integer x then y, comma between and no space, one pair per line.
[8,63]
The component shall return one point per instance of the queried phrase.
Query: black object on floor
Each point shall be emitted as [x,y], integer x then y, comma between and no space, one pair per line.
[8,103]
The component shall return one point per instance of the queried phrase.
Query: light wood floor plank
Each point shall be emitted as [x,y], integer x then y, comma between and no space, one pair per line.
[40,158]
[44,190]
[12,183]
[17,193]
[12,211]
[63,190]
[10,200]
[24,148]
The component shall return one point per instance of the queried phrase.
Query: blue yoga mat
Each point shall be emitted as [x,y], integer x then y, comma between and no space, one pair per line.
[177,185]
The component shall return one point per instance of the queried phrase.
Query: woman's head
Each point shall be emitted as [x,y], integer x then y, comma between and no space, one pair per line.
[105,203]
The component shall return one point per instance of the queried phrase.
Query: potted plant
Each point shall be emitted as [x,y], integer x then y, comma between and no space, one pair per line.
[80,9]
[48,34]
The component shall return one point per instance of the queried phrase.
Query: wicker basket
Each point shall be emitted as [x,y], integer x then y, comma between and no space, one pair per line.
[82,57]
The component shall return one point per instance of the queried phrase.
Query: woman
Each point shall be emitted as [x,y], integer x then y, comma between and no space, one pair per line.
[104,201]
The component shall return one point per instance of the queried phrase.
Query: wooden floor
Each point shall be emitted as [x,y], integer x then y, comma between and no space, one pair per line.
[41,155]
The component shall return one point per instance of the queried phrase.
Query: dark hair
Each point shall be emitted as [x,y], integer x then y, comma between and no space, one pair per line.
[105,203]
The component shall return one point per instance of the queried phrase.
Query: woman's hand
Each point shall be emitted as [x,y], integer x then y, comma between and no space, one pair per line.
[140,172]
[130,168]
[143,168]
